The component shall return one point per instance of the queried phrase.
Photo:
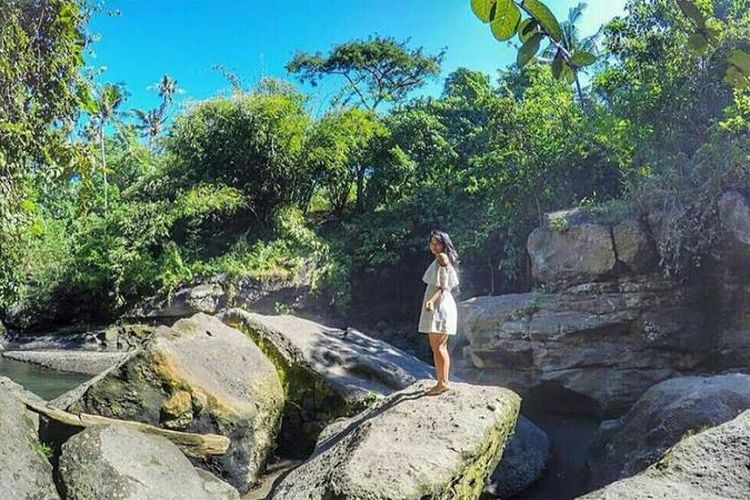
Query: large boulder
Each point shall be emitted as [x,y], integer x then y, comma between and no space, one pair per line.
[574,246]
[198,376]
[663,415]
[594,347]
[410,446]
[711,465]
[523,461]
[117,462]
[24,471]
[327,372]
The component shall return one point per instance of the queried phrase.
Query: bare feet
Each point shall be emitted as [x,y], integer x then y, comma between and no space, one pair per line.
[438,389]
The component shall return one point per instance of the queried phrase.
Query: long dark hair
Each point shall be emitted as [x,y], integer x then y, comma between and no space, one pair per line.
[448,247]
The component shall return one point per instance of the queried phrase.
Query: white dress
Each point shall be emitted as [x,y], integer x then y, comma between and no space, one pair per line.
[444,317]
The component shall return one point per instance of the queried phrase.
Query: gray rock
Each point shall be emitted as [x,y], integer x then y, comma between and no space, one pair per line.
[633,246]
[663,415]
[594,348]
[117,462]
[734,213]
[329,372]
[7,385]
[710,465]
[24,471]
[410,446]
[565,253]
[197,376]
[523,461]
[86,362]
[218,293]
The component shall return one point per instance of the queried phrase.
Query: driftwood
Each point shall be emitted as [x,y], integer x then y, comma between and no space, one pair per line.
[194,445]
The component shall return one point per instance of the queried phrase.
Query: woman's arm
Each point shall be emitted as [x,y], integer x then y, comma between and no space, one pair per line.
[430,304]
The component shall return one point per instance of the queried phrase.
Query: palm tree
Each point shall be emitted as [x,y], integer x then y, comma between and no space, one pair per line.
[151,123]
[167,88]
[573,43]
[109,99]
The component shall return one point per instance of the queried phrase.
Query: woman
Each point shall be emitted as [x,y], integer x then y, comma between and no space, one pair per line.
[439,315]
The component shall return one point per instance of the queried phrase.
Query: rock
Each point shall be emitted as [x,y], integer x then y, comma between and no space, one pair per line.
[523,461]
[7,385]
[86,362]
[328,372]
[734,213]
[219,293]
[710,465]
[233,390]
[24,471]
[410,446]
[117,462]
[633,247]
[566,253]
[664,414]
[592,348]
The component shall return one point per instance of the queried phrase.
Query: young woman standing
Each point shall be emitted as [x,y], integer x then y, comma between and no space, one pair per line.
[439,314]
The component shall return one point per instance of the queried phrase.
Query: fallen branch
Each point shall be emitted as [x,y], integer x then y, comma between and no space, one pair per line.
[194,445]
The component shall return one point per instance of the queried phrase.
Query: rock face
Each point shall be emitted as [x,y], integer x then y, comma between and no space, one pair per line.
[524,459]
[116,462]
[86,362]
[594,347]
[24,471]
[219,292]
[410,446]
[664,414]
[713,464]
[327,372]
[198,376]
[573,247]
[606,325]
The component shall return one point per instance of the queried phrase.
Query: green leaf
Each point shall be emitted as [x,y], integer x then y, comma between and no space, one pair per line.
[691,12]
[482,9]
[546,18]
[741,60]
[529,49]
[582,58]
[568,73]
[527,28]
[557,65]
[697,43]
[736,78]
[505,23]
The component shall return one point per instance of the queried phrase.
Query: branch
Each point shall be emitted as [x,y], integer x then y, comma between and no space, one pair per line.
[194,445]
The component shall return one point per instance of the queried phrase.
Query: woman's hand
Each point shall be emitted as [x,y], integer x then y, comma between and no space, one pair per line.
[429,305]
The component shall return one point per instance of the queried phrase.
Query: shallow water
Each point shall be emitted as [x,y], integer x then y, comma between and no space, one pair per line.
[45,383]
[566,475]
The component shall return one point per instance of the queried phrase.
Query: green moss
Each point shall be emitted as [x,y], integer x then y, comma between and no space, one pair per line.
[469,482]
[311,404]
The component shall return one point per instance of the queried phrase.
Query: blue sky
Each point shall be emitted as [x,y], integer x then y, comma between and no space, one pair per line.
[186,38]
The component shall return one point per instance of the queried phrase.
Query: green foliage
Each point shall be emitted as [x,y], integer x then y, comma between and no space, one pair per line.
[41,50]
[378,70]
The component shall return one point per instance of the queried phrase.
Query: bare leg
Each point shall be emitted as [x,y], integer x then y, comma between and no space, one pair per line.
[446,360]
[435,347]
[438,343]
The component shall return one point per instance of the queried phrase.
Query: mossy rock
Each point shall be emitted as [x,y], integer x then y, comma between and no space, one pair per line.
[199,376]
[410,446]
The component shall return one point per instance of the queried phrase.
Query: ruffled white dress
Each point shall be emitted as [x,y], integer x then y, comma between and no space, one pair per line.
[444,317]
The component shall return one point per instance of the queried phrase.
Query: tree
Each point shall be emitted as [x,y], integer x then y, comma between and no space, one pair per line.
[378,70]
[339,150]
[151,123]
[505,20]
[573,43]
[41,52]
[110,98]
